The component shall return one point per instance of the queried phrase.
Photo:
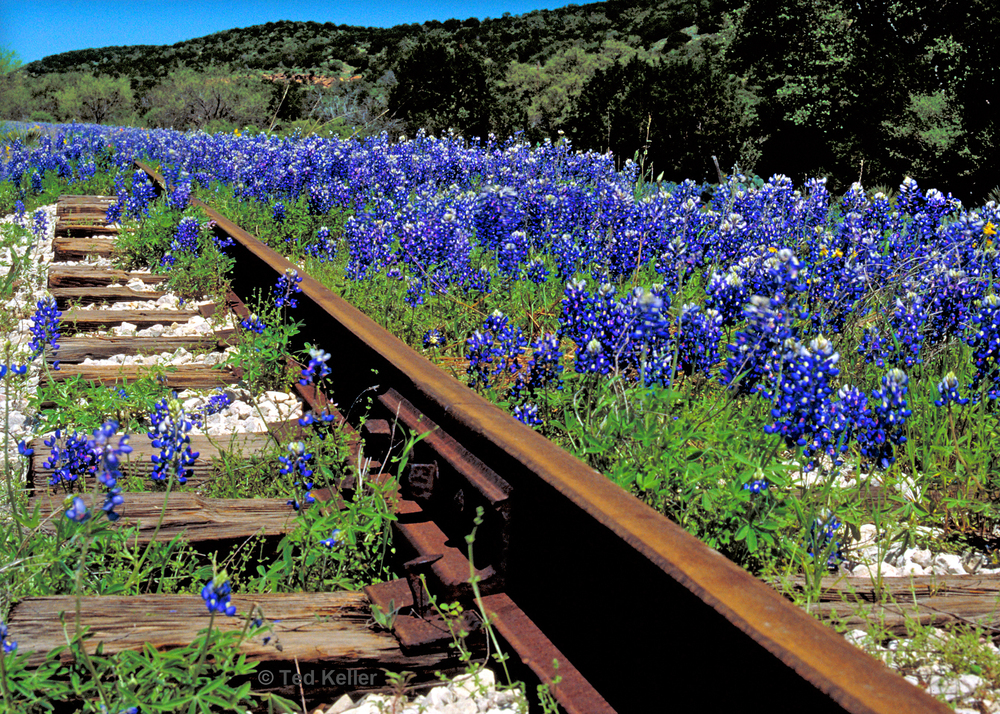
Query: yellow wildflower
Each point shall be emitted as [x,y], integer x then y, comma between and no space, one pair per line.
[989,230]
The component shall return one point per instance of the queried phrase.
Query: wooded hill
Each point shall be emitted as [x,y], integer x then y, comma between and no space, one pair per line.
[875,89]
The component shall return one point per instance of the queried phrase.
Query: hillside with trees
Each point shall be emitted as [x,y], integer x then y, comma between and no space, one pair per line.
[875,90]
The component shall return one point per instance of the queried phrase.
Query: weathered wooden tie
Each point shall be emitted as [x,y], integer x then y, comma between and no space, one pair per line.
[92,295]
[80,248]
[88,320]
[894,602]
[182,377]
[76,349]
[76,276]
[197,518]
[328,629]
[72,205]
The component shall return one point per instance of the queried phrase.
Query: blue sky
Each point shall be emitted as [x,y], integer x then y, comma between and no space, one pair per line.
[37,28]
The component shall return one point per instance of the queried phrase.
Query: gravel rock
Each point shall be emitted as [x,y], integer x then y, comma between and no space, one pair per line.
[466,694]
[952,688]
[948,564]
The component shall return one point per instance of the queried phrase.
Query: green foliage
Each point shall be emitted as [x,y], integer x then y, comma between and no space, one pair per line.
[76,404]
[439,88]
[96,99]
[260,353]
[203,273]
[677,112]
[143,243]
[12,235]
[9,61]
[213,100]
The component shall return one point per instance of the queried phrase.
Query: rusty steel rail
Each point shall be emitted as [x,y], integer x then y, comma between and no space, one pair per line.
[572,566]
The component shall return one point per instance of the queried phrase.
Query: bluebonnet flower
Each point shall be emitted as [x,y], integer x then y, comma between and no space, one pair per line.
[254,324]
[434,338]
[727,294]
[287,285]
[185,240]
[480,355]
[108,463]
[801,396]
[215,404]
[9,645]
[544,367]
[179,196]
[333,540]
[19,369]
[650,337]
[536,271]
[297,465]
[495,322]
[948,390]
[304,497]
[70,458]
[216,593]
[324,249]
[985,342]
[510,344]
[316,420]
[136,205]
[77,511]
[757,351]
[23,449]
[888,419]
[45,328]
[527,414]
[593,358]
[112,499]
[317,368]
[822,539]
[415,292]
[756,486]
[697,340]
[278,213]
[169,433]
[39,223]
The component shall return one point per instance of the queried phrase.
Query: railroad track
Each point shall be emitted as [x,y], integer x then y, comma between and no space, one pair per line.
[638,613]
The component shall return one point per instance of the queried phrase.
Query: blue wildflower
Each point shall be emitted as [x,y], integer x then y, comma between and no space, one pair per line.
[287,285]
[948,389]
[77,510]
[216,593]
[8,645]
[333,540]
[45,328]
[317,368]
[169,433]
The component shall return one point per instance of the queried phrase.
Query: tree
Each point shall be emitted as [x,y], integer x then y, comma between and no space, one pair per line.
[440,88]
[9,61]
[189,99]
[95,99]
[799,56]
[676,113]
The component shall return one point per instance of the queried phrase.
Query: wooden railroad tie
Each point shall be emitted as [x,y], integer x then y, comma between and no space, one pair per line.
[322,632]
[924,599]
[178,378]
[80,276]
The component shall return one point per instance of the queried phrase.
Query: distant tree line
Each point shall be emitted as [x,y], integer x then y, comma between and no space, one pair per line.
[868,89]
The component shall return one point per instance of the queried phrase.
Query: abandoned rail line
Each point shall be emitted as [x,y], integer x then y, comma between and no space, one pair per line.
[571,568]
